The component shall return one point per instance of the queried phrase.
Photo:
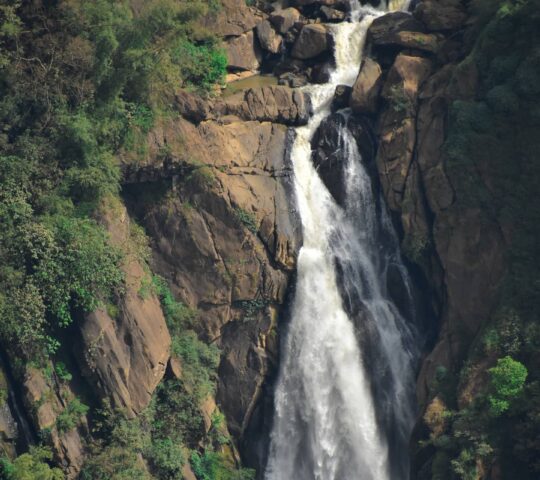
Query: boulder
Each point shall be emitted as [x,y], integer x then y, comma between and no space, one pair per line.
[441,15]
[366,88]
[426,42]
[268,38]
[321,72]
[407,75]
[284,20]
[243,52]
[328,3]
[311,42]
[384,28]
[332,14]
[191,106]
[278,104]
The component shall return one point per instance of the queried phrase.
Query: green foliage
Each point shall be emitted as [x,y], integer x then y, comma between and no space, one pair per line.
[166,459]
[62,372]
[201,66]
[507,380]
[71,415]
[247,219]
[252,307]
[212,466]
[118,457]
[30,466]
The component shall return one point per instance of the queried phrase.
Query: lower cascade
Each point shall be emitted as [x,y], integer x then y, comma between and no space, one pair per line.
[344,401]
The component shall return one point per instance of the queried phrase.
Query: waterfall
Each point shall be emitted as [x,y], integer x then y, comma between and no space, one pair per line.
[344,400]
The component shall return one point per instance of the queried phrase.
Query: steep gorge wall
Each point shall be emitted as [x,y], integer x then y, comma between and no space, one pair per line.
[214,194]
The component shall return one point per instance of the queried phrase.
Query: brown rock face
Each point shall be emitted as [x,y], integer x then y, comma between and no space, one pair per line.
[226,239]
[126,356]
[46,399]
[268,38]
[243,52]
[311,42]
[441,14]
[278,104]
[366,88]
[397,129]
[284,20]
[385,29]
[234,18]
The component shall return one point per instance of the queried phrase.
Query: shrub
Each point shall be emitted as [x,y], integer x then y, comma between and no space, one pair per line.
[30,466]
[71,415]
[507,382]
[247,219]
[166,459]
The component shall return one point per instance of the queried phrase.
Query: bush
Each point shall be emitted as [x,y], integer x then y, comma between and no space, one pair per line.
[71,415]
[166,459]
[507,382]
[30,466]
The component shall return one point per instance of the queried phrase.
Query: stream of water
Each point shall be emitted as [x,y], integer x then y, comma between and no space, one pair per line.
[344,400]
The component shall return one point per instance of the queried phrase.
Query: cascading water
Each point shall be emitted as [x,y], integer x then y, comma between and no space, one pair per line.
[344,404]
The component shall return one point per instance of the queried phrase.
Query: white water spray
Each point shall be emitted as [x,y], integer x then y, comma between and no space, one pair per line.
[332,417]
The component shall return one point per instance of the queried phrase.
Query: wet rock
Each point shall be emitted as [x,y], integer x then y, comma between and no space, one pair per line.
[311,42]
[341,98]
[328,3]
[284,20]
[328,150]
[292,80]
[268,38]
[366,88]
[243,52]
[440,15]
[332,14]
[321,72]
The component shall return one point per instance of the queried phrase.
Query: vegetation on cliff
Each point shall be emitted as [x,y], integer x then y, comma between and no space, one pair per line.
[81,84]
[487,416]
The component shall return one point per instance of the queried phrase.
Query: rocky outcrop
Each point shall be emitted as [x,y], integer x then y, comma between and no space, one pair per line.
[446,15]
[386,28]
[284,20]
[366,88]
[47,399]
[332,14]
[232,19]
[125,354]
[279,104]
[243,52]
[327,145]
[268,38]
[396,126]
[312,41]
[226,239]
